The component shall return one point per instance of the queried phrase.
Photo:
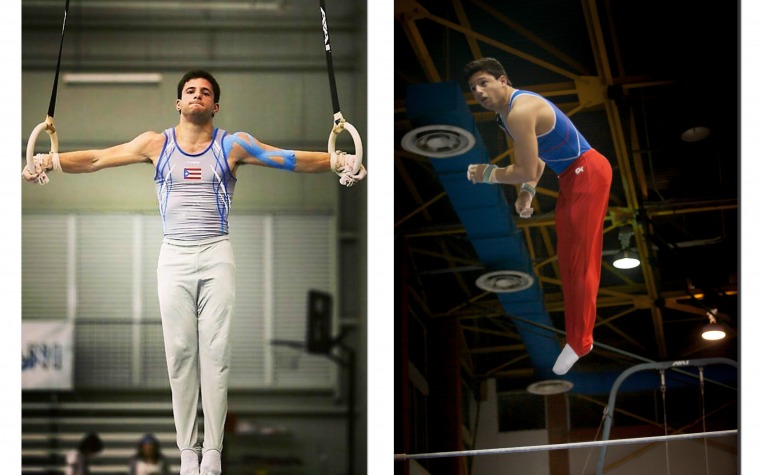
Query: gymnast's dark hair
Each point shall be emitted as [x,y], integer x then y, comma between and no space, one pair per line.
[488,65]
[195,74]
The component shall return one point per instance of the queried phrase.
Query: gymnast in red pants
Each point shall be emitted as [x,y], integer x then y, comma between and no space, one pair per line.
[544,136]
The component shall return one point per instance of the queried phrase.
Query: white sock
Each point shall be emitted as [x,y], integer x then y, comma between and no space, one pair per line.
[565,360]
[211,463]
[188,462]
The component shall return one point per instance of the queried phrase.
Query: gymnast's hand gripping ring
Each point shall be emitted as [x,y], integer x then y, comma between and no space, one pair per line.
[340,125]
[48,126]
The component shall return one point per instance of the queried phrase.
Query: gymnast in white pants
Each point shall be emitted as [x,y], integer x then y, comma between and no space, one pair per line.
[196,288]
[195,168]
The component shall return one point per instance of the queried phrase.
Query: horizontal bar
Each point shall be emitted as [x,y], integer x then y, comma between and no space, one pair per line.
[570,445]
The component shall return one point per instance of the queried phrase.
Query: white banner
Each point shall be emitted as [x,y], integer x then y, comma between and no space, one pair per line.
[47,355]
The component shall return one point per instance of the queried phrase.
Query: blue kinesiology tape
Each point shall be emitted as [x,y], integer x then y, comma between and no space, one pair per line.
[282,159]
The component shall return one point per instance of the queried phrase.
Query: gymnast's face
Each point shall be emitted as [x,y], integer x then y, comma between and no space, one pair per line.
[490,92]
[197,99]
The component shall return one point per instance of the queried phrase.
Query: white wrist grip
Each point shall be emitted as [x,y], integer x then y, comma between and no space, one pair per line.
[49,127]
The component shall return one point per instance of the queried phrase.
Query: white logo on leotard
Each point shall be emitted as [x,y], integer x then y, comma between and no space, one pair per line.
[579,170]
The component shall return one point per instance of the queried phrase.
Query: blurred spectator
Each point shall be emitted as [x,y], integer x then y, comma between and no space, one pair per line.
[78,461]
[148,460]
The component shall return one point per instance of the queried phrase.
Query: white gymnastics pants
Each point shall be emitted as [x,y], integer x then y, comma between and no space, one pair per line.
[196,293]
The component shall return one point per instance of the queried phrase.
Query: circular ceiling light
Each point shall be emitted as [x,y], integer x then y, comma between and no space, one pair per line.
[438,141]
[550,387]
[504,281]
[695,134]
[713,331]
[627,259]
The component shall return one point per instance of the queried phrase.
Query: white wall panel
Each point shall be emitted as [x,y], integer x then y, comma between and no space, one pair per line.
[44,257]
[104,267]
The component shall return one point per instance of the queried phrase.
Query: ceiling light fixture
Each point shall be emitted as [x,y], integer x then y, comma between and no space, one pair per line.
[438,141]
[695,134]
[550,387]
[627,258]
[713,330]
[504,281]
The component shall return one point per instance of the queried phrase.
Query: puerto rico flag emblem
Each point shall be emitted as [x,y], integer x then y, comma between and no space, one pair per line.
[192,173]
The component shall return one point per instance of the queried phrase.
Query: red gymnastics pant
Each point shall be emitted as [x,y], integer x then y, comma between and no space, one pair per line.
[584,191]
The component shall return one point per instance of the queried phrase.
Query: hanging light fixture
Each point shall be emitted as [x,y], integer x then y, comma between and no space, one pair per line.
[713,330]
[627,258]
[695,134]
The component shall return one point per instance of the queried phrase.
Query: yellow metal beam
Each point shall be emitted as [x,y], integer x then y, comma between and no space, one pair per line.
[685,209]
[502,46]
[591,91]
[462,16]
[408,12]
[554,51]
[458,260]
[638,164]
[607,320]
[509,363]
[401,169]
[420,208]
[598,43]
[488,331]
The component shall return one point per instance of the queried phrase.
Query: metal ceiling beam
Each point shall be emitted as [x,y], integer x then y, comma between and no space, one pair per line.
[420,208]
[602,302]
[548,47]
[607,320]
[407,11]
[409,182]
[638,164]
[501,367]
[449,258]
[686,208]
[462,16]
[502,46]
[488,331]
[524,373]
